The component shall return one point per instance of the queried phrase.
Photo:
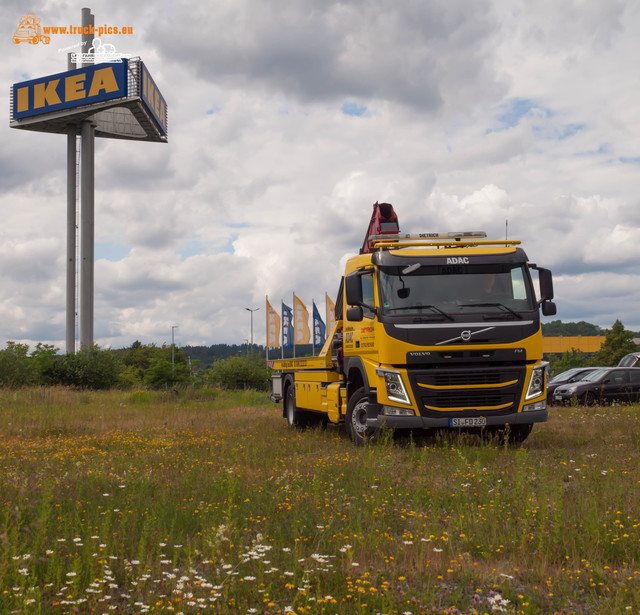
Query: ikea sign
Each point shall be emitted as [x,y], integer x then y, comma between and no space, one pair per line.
[70,89]
[153,100]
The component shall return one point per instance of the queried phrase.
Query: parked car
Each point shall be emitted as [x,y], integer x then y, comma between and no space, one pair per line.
[605,385]
[571,375]
[629,360]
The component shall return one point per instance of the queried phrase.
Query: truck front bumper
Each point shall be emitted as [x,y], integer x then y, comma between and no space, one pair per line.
[376,420]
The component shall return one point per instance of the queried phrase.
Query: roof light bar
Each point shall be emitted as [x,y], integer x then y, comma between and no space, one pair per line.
[452,235]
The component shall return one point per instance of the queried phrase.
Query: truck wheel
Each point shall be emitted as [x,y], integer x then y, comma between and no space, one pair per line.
[356,419]
[519,433]
[295,418]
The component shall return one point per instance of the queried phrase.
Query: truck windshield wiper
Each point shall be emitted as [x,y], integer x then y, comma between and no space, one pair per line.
[420,307]
[498,305]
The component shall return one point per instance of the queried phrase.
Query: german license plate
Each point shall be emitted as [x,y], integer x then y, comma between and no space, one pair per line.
[557,397]
[468,421]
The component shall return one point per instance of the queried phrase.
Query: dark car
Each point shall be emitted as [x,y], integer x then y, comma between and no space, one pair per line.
[605,385]
[571,375]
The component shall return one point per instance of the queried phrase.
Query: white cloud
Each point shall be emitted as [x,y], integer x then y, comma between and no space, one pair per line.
[466,116]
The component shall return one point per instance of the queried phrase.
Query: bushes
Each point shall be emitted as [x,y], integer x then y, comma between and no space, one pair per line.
[90,367]
[245,372]
[139,365]
[16,370]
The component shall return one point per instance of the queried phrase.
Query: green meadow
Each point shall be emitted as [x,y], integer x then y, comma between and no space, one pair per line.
[138,502]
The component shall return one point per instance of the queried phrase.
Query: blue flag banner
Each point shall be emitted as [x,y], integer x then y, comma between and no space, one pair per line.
[287,327]
[319,328]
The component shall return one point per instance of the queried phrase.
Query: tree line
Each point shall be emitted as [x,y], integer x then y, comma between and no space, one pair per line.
[139,365]
[223,365]
[618,342]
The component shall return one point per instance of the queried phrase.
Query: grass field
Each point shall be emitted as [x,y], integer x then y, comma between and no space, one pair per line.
[133,502]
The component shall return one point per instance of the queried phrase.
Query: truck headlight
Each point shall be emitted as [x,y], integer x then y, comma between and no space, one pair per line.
[395,411]
[536,382]
[394,386]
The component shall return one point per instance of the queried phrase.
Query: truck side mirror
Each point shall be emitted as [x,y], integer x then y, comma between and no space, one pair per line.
[548,308]
[546,285]
[353,289]
[355,314]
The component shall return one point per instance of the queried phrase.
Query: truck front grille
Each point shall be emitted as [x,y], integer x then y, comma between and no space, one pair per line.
[468,390]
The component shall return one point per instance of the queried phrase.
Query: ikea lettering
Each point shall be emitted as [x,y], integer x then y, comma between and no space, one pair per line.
[458,260]
[154,101]
[70,89]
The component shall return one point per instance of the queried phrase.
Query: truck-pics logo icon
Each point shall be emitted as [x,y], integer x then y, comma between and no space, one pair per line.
[30,31]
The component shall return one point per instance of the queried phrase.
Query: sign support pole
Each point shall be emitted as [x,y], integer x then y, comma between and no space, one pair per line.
[71,234]
[87,210]
[87,229]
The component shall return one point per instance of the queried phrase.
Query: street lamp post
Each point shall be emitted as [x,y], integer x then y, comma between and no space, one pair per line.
[173,328]
[252,311]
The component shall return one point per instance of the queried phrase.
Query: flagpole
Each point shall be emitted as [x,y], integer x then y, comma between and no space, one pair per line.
[313,331]
[295,325]
[326,311]
[266,310]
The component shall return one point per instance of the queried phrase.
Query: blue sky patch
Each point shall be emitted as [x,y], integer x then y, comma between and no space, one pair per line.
[353,108]
[110,251]
[514,110]
[569,130]
[191,249]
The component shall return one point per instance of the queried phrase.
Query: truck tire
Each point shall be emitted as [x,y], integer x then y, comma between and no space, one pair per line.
[519,433]
[295,418]
[356,419]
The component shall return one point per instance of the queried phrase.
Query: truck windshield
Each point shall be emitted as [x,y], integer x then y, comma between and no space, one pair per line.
[447,290]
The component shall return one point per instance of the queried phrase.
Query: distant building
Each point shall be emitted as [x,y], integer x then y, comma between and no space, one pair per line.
[588,344]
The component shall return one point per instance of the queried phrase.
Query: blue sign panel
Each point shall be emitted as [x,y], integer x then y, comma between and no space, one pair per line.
[153,100]
[70,89]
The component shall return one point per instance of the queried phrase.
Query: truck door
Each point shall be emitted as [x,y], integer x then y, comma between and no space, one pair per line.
[359,337]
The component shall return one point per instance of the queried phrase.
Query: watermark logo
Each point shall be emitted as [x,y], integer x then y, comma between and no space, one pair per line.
[98,53]
[30,31]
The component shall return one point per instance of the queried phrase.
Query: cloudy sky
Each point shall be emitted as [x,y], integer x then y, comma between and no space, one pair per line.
[288,119]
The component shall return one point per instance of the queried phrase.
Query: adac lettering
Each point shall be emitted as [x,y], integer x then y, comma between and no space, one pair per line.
[457,260]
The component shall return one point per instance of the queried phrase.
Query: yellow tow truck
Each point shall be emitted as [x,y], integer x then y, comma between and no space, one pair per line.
[433,331]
